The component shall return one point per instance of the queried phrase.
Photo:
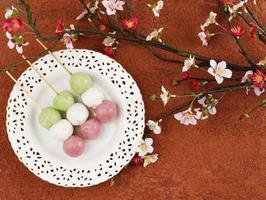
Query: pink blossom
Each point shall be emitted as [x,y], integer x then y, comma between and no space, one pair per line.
[112,6]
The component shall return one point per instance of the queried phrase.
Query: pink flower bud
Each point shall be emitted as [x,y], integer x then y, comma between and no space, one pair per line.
[13,25]
[108,51]
[59,27]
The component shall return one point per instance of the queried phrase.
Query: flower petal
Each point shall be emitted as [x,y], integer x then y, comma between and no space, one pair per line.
[222,65]
[213,63]
[10,44]
[219,79]
[211,71]
[148,141]
[227,73]
[178,116]
[19,49]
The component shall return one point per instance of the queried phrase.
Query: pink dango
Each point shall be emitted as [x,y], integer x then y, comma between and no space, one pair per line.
[106,111]
[74,146]
[90,129]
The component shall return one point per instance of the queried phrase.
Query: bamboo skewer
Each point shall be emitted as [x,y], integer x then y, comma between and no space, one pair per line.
[41,76]
[24,90]
[57,60]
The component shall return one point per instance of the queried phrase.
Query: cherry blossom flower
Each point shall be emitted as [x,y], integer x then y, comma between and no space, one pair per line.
[59,27]
[208,103]
[67,39]
[262,62]
[138,160]
[13,12]
[130,24]
[13,25]
[16,41]
[248,78]
[166,96]
[219,71]
[154,126]
[145,147]
[237,31]
[210,20]
[205,36]
[189,62]
[155,35]
[92,10]
[156,8]
[109,41]
[112,6]
[234,10]
[186,117]
[74,36]
[150,159]
[258,79]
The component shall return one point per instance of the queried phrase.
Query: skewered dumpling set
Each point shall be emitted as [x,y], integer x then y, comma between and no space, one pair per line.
[88,115]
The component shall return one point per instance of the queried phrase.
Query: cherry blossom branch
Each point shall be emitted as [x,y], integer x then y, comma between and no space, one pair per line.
[14,65]
[251,111]
[166,47]
[128,36]
[237,39]
[255,20]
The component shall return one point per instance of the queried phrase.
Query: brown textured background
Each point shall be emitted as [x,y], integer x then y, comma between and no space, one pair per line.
[222,158]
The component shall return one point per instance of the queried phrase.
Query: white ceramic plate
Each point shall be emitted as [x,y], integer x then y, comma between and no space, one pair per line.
[103,157]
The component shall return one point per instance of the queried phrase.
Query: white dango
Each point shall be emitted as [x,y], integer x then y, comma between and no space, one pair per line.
[62,130]
[77,114]
[92,97]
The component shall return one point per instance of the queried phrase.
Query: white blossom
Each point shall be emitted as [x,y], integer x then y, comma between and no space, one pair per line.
[188,63]
[17,42]
[154,126]
[150,159]
[234,11]
[68,41]
[186,117]
[166,96]
[203,37]
[145,147]
[112,6]
[109,41]
[208,104]
[156,8]
[155,35]
[210,20]
[219,71]
[10,12]
[262,62]
[92,10]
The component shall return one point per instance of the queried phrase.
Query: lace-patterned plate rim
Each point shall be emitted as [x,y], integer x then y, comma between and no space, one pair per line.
[36,160]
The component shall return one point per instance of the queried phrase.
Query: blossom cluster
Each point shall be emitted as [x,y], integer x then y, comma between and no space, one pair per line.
[13,26]
[220,72]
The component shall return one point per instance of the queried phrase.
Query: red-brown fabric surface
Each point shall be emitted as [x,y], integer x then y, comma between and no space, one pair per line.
[221,158]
